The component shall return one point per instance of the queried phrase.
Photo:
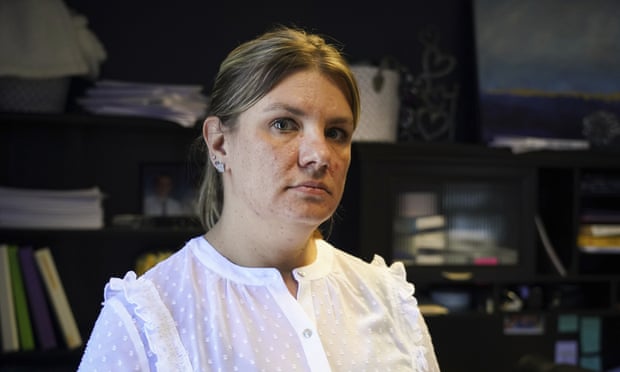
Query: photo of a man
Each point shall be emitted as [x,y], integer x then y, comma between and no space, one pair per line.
[166,193]
[161,202]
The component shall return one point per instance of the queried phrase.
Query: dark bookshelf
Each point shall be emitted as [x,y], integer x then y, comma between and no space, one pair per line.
[48,151]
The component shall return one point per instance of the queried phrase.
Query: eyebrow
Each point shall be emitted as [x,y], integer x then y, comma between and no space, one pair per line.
[282,106]
[277,106]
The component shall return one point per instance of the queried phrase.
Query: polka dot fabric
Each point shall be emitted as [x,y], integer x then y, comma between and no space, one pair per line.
[197,311]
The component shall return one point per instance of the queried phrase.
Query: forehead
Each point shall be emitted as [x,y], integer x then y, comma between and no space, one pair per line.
[309,87]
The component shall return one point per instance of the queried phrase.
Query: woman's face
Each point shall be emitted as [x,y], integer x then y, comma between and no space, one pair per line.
[289,154]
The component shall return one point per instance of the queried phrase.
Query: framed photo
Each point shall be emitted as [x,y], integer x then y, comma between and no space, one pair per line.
[168,190]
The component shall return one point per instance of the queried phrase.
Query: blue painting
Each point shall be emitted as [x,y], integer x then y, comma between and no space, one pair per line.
[549,68]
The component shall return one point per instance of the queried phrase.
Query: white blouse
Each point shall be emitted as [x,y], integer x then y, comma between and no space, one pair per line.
[197,311]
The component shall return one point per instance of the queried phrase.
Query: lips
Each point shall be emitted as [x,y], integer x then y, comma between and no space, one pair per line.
[311,186]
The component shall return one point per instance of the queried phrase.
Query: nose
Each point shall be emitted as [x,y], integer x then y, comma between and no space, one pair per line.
[314,151]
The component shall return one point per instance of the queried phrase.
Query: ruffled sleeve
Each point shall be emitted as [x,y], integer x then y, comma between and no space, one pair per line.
[423,353]
[134,311]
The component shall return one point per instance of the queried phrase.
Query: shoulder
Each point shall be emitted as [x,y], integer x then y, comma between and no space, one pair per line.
[159,280]
[383,285]
[377,266]
[148,321]
[376,274]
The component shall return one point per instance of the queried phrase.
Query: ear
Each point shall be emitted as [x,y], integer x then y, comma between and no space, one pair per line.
[214,137]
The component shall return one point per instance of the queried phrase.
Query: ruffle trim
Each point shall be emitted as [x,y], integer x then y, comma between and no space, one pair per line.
[409,310]
[159,326]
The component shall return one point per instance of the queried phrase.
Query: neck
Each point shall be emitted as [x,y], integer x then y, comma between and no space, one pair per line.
[284,254]
[283,250]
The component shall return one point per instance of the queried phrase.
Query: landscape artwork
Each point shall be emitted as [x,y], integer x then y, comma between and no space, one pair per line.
[549,69]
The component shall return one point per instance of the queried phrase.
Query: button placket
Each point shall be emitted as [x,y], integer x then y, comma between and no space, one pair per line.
[303,321]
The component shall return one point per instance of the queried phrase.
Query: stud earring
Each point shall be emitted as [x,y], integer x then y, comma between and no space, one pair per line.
[219,166]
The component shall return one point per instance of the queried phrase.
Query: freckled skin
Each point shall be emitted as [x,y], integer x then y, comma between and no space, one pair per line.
[267,167]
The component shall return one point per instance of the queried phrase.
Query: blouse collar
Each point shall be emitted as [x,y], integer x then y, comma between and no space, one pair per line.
[216,262]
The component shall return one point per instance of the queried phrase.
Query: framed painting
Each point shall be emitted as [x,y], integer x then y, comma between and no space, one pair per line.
[549,69]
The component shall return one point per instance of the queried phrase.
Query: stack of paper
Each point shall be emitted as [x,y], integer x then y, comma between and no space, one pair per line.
[49,209]
[182,104]
[420,239]
[522,144]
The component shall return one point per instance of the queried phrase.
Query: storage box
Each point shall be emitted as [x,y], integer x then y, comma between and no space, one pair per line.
[33,95]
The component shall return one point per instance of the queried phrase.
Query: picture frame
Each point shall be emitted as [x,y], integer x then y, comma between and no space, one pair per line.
[168,190]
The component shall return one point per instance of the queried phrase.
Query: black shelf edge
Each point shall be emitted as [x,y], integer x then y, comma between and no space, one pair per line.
[42,357]
[86,120]
[106,231]
[464,152]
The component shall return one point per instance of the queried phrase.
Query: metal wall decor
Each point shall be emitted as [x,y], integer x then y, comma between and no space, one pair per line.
[429,99]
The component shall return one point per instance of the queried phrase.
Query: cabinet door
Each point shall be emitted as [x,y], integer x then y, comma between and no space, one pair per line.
[447,217]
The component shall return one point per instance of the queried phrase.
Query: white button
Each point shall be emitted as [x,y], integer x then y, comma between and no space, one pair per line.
[301,273]
[307,333]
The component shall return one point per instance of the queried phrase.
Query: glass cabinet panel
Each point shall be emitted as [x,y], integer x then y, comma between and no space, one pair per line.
[457,223]
[445,215]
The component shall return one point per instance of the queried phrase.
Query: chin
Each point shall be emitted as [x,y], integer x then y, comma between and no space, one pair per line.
[312,221]
[313,214]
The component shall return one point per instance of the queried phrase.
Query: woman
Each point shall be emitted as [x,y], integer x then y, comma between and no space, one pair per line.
[261,290]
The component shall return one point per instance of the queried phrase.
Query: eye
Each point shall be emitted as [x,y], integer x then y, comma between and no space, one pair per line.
[338,134]
[284,124]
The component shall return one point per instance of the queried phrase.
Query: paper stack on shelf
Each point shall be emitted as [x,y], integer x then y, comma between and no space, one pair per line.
[182,104]
[522,144]
[51,209]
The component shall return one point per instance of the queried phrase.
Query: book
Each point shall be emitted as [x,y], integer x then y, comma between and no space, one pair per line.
[410,245]
[600,249]
[8,322]
[598,241]
[599,244]
[39,307]
[22,312]
[412,225]
[429,256]
[600,229]
[58,298]
[600,216]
